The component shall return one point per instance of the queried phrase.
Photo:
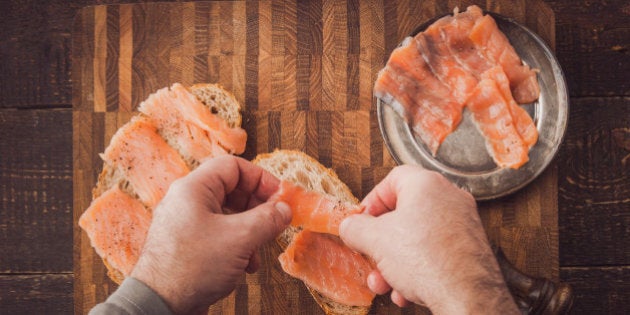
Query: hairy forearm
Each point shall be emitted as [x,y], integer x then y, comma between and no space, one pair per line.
[481,288]
[475,284]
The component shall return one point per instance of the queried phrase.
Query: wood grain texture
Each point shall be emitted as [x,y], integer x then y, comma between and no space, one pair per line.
[592,47]
[599,290]
[35,197]
[35,64]
[39,294]
[593,39]
[594,187]
[304,71]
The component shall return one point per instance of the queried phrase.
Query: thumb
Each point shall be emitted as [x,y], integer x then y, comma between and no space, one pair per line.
[264,222]
[358,232]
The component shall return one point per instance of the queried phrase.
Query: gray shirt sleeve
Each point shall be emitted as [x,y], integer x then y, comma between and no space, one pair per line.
[132,297]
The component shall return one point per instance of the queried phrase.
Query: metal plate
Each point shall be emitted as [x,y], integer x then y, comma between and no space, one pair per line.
[462,157]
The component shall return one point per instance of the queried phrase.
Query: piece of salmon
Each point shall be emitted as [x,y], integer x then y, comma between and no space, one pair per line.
[491,114]
[419,113]
[146,160]
[445,66]
[495,46]
[409,86]
[312,210]
[459,45]
[524,124]
[165,108]
[117,226]
[325,264]
[194,113]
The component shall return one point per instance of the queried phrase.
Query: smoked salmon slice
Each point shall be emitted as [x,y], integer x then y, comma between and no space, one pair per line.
[419,113]
[146,160]
[409,86]
[524,124]
[493,44]
[117,225]
[325,264]
[459,45]
[312,210]
[179,101]
[444,65]
[492,116]
[164,109]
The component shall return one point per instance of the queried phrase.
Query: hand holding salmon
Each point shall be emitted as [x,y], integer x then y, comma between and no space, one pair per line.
[429,245]
[195,254]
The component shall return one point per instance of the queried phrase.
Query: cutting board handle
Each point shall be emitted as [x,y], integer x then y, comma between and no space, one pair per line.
[534,295]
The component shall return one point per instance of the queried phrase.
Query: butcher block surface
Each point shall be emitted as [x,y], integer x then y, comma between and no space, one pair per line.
[304,73]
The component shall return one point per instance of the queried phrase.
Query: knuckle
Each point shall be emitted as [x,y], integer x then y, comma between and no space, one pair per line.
[178,186]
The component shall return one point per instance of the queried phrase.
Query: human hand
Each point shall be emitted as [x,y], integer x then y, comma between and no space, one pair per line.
[429,245]
[206,231]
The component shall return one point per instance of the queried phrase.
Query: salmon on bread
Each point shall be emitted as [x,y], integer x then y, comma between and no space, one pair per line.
[328,266]
[117,225]
[157,146]
[312,257]
[146,160]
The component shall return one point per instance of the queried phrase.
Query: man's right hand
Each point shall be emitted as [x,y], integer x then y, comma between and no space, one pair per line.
[429,245]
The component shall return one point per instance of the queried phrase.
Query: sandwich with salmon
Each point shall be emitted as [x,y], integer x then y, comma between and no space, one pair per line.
[175,130]
[335,275]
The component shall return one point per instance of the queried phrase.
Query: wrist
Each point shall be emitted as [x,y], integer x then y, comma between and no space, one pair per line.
[153,279]
[482,296]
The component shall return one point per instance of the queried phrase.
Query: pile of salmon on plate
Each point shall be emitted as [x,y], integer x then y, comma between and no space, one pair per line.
[460,62]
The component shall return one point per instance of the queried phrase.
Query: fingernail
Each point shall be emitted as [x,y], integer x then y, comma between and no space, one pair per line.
[285,210]
[371,282]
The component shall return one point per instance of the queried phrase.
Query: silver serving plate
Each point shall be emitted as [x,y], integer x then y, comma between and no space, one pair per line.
[462,157]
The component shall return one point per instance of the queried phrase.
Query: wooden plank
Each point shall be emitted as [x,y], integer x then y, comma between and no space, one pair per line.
[334,58]
[126,55]
[36,191]
[36,294]
[35,59]
[113,58]
[593,46]
[599,290]
[594,188]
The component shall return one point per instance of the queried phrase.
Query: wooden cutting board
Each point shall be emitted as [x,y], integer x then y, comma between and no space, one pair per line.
[304,72]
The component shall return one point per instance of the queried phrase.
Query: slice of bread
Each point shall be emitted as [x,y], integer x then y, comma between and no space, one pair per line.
[300,168]
[213,96]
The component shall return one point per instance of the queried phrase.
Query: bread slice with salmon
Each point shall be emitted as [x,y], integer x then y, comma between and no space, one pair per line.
[300,169]
[176,129]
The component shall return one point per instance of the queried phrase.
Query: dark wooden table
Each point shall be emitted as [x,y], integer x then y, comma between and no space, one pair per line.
[36,272]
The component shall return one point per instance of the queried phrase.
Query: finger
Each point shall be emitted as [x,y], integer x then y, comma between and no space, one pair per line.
[224,174]
[239,201]
[384,195]
[398,299]
[358,232]
[377,284]
[254,263]
[262,223]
